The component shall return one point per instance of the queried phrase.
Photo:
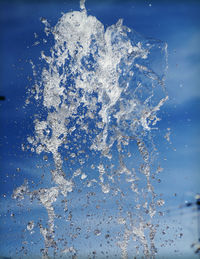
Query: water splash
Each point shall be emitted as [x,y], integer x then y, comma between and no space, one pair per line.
[99,92]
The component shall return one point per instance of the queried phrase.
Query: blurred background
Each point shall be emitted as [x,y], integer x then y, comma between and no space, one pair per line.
[175,22]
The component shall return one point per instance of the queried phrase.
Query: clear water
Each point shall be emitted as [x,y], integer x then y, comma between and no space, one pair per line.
[98,91]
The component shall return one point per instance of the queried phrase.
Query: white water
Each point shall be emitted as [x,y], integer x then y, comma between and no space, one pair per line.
[101,89]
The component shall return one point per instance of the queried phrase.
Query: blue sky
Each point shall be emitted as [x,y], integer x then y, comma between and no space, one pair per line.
[175,23]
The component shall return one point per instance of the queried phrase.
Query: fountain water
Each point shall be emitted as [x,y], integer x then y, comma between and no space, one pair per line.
[98,94]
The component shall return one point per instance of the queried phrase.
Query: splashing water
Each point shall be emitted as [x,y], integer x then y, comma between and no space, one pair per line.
[99,92]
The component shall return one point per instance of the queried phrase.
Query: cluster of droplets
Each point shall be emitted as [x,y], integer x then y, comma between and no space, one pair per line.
[101,90]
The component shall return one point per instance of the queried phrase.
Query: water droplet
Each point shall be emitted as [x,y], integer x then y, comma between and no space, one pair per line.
[83,176]
[97,232]
[160,202]
[45,158]
[30,225]
[43,20]
[105,188]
